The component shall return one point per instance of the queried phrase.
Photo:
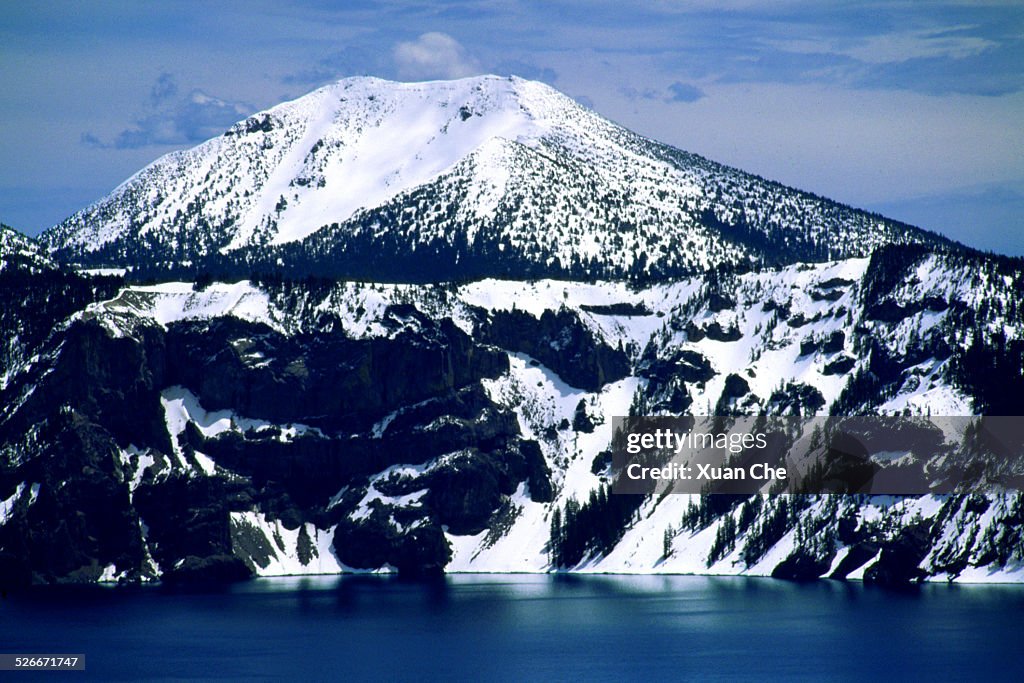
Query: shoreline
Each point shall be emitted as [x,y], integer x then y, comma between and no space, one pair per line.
[931,581]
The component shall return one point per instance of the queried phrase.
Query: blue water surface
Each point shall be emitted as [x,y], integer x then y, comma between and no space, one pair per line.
[525,627]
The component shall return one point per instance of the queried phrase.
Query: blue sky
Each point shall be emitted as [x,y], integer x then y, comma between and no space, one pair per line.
[911,108]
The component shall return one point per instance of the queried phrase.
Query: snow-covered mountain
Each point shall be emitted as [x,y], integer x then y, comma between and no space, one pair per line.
[223,430]
[480,176]
[506,271]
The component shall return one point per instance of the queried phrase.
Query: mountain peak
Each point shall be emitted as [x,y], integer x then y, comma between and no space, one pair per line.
[508,173]
[351,144]
[485,88]
[432,104]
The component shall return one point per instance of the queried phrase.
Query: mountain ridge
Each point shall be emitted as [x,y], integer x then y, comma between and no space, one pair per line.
[223,430]
[487,170]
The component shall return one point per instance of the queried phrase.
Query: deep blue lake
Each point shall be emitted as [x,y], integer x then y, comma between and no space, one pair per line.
[524,627]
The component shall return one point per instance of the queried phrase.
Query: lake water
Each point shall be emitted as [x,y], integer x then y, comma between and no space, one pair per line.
[524,627]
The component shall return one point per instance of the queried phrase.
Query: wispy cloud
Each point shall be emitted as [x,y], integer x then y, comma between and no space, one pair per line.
[933,62]
[634,94]
[433,55]
[948,42]
[173,120]
[676,92]
[684,92]
[901,46]
[163,90]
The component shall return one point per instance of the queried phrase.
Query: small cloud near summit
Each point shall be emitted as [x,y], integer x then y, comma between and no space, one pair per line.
[677,92]
[684,92]
[173,120]
[164,89]
[634,94]
[433,55]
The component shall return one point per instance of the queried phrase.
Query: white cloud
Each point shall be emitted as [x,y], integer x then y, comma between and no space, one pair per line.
[899,47]
[433,55]
[893,48]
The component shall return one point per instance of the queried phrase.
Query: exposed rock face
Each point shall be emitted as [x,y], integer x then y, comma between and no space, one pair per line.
[112,381]
[36,294]
[419,550]
[899,562]
[224,430]
[735,386]
[80,517]
[334,382]
[796,398]
[560,341]
[96,503]
[581,419]
[840,366]
[801,567]
[669,374]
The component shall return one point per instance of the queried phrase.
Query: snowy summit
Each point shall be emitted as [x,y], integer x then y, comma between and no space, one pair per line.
[462,171]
